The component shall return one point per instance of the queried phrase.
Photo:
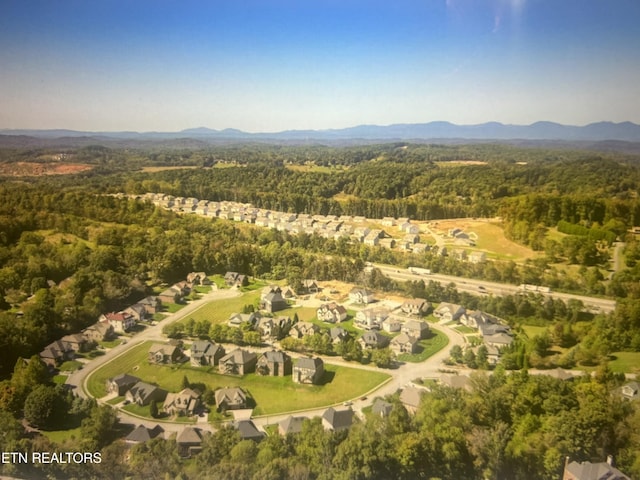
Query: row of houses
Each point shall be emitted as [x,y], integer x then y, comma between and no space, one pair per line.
[240,361]
[190,439]
[327,226]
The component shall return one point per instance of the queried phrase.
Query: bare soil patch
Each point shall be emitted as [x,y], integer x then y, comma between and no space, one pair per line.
[36,169]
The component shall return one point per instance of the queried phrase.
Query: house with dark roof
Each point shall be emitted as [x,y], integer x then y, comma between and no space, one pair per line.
[274,364]
[273,302]
[235,279]
[151,304]
[290,425]
[232,398]
[337,419]
[189,441]
[592,471]
[303,329]
[308,370]
[238,362]
[142,434]
[185,402]
[338,334]
[144,393]
[56,353]
[248,430]
[373,339]
[121,383]
[206,353]
[137,311]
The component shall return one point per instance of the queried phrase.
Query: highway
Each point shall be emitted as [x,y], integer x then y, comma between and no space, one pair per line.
[482,287]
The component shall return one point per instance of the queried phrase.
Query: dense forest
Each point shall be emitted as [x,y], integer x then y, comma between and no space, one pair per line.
[69,251]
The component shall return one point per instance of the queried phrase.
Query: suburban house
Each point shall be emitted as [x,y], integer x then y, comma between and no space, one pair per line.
[163,354]
[248,430]
[142,434]
[290,425]
[310,286]
[336,420]
[273,301]
[361,295]
[274,364]
[498,340]
[151,304]
[308,370]
[592,471]
[631,390]
[198,278]
[381,408]
[77,342]
[232,398]
[371,317]
[404,343]
[99,332]
[456,381]
[338,334]
[121,322]
[184,402]
[170,295]
[237,319]
[235,279]
[206,353]
[121,383]
[56,353]
[391,325]
[189,442]
[448,312]
[416,306]
[238,362]
[303,329]
[137,311]
[410,397]
[331,313]
[273,327]
[143,393]
[373,339]
[415,328]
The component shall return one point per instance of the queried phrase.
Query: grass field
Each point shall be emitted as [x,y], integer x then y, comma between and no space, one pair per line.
[429,346]
[59,436]
[219,311]
[625,362]
[533,330]
[272,394]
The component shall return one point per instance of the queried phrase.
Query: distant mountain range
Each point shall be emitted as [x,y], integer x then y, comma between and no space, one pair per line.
[548,131]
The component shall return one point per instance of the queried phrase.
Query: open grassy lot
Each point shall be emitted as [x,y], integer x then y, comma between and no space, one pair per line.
[431,345]
[59,436]
[219,311]
[625,362]
[272,394]
[533,330]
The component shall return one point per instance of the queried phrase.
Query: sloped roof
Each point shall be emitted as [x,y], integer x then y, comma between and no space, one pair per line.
[291,424]
[381,407]
[190,435]
[338,419]
[124,379]
[248,430]
[595,471]
[411,396]
[309,363]
[239,356]
[143,434]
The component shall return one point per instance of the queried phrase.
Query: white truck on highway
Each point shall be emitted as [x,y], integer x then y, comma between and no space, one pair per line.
[419,271]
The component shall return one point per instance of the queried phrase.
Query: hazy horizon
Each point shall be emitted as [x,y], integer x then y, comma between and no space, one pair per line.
[269,66]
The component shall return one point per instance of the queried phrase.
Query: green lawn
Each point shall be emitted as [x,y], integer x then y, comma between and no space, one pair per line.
[272,394]
[59,436]
[625,362]
[533,330]
[70,366]
[430,346]
[174,307]
[465,329]
[219,311]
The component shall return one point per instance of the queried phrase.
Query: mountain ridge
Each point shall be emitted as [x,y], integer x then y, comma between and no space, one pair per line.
[541,130]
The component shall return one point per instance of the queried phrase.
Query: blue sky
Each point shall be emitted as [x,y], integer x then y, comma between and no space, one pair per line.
[269,65]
